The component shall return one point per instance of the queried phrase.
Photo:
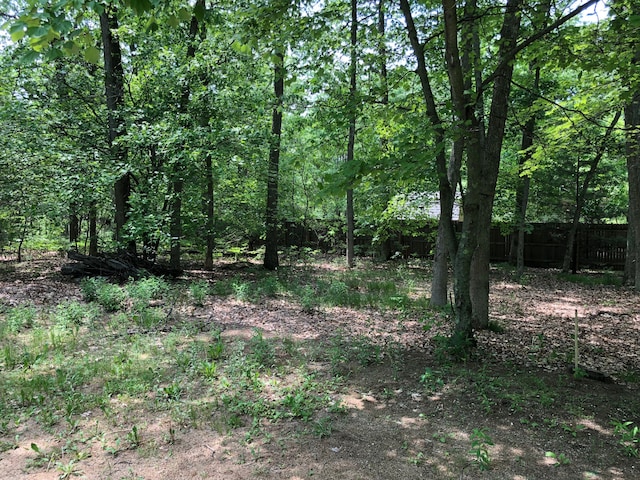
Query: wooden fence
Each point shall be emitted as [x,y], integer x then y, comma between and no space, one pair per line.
[597,246]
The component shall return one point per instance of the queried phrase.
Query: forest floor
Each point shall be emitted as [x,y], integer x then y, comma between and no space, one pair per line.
[247,380]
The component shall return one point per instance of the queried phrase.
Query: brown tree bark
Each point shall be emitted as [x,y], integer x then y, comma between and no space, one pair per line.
[93,228]
[271,260]
[632,151]
[74,226]
[114,91]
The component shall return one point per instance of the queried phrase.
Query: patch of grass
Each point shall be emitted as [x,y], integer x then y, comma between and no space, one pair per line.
[223,288]
[261,351]
[20,318]
[198,291]
[606,278]
[143,291]
[106,294]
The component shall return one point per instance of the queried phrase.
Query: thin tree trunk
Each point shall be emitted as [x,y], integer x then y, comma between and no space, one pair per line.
[271,261]
[175,226]
[209,206]
[114,91]
[581,194]
[440,281]
[93,229]
[74,226]
[444,186]
[524,181]
[352,130]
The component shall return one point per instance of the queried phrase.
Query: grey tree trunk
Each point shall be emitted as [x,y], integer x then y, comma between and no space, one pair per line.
[445,188]
[632,151]
[471,283]
[524,181]
[442,255]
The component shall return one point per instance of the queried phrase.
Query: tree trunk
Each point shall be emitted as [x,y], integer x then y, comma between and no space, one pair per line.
[352,130]
[524,180]
[175,223]
[175,226]
[209,206]
[114,91]
[93,228]
[581,194]
[471,284]
[271,261]
[444,186]
[74,226]
[440,281]
[632,151]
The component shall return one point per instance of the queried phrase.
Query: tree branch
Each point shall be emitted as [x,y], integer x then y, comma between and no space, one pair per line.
[509,56]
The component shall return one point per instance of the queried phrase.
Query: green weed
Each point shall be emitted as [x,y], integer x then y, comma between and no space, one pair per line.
[99,290]
[147,289]
[20,318]
[73,314]
[432,380]
[560,458]
[480,443]
[629,437]
[198,292]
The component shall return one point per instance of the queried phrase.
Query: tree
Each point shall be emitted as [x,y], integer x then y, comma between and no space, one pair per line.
[353,92]
[271,243]
[114,91]
[624,26]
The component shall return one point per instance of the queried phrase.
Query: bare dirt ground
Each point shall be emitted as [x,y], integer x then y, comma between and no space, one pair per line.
[395,428]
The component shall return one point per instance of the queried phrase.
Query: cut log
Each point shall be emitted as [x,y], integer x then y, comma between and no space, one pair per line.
[122,266]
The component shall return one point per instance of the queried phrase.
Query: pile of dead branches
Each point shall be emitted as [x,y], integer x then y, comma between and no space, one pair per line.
[120,266]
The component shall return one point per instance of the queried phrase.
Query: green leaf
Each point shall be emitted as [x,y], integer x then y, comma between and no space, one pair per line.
[634,20]
[184,14]
[17,31]
[17,35]
[241,47]
[92,55]
[54,53]
[140,6]
[173,21]
[199,11]
[152,25]
[29,57]
[71,48]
